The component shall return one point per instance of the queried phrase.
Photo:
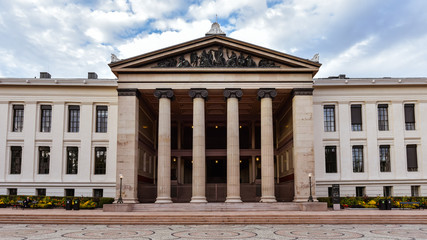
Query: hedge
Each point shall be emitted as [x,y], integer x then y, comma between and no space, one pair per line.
[373,202]
[53,202]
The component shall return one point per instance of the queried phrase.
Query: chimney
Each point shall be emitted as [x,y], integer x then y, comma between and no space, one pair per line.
[92,75]
[45,75]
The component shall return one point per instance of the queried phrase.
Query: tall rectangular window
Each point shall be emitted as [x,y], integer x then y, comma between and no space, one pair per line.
[387,191]
[360,191]
[329,118]
[73,118]
[409,117]
[44,160]
[72,160]
[45,118]
[415,191]
[15,160]
[331,159]
[411,157]
[356,117]
[101,118]
[383,117]
[100,160]
[357,158]
[385,165]
[18,118]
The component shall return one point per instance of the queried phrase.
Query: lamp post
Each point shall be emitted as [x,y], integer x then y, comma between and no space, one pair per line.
[310,198]
[120,200]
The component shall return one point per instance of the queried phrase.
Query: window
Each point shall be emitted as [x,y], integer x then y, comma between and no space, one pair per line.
[331,159]
[72,160]
[44,160]
[15,160]
[45,118]
[383,117]
[409,117]
[18,118]
[357,158]
[41,191]
[12,191]
[101,118]
[73,118]
[360,191]
[387,191]
[385,165]
[69,192]
[329,118]
[98,192]
[415,191]
[356,117]
[411,158]
[100,160]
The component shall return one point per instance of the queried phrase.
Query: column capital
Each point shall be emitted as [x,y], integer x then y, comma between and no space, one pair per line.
[302,91]
[198,93]
[129,92]
[233,93]
[267,93]
[164,93]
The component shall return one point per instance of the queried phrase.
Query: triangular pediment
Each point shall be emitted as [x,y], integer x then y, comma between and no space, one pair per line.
[214,54]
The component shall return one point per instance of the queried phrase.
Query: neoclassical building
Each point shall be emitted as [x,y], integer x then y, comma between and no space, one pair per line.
[214,119]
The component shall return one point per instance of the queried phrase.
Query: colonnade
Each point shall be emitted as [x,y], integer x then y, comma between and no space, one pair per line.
[199,96]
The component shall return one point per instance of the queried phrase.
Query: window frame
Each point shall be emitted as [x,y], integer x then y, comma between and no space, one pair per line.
[45,119]
[71,167]
[384,149]
[73,118]
[356,117]
[360,191]
[101,118]
[46,164]
[100,168]
[383,119]
[18,117]
[409,163]
[15,167]
[358,159]
[409,114]
[334,162]
[329,118]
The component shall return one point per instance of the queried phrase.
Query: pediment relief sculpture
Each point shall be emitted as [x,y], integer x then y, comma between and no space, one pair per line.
[216,57]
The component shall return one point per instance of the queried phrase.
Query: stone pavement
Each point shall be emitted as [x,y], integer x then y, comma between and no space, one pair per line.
[217,232]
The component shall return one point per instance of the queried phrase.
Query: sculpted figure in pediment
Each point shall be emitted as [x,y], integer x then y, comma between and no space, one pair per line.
[232,60]
[241,62]
[250,62]
[194,59]
[183,62]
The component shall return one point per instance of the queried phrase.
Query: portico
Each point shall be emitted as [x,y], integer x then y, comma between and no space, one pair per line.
[199,124]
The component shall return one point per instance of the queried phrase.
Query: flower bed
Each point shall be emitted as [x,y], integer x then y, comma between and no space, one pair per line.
[48,202]
[373,202]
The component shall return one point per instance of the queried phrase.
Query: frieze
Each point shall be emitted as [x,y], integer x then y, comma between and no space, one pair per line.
[216,57]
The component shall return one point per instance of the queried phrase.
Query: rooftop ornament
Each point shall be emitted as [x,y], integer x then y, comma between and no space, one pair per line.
[215,30]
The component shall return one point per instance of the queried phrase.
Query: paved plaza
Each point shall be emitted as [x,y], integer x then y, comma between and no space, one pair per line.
[265,232]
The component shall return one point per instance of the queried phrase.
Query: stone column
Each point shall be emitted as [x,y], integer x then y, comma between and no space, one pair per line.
[266,96]
[127,144]
[303,154]
[164,146]
[233,149]
[199,158]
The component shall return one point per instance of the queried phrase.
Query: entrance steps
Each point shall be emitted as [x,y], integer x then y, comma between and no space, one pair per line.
[217,207]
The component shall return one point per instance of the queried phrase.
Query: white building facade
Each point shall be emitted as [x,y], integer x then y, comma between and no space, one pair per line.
[58,136]
[370,136]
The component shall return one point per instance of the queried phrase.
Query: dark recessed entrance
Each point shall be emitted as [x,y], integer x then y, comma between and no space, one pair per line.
[216,170]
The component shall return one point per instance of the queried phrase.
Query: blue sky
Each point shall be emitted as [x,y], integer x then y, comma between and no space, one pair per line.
[360,38]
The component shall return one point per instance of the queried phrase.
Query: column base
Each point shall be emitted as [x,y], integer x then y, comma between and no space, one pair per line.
[163,200]
[268,199]
[233,200]
[304,199]
[198,200]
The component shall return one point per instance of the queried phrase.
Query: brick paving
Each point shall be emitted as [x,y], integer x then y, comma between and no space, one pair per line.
[217,232]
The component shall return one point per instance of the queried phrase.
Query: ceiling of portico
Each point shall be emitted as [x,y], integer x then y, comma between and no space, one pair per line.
[216,107]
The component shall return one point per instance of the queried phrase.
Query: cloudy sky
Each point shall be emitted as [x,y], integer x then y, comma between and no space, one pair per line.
[360,38]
